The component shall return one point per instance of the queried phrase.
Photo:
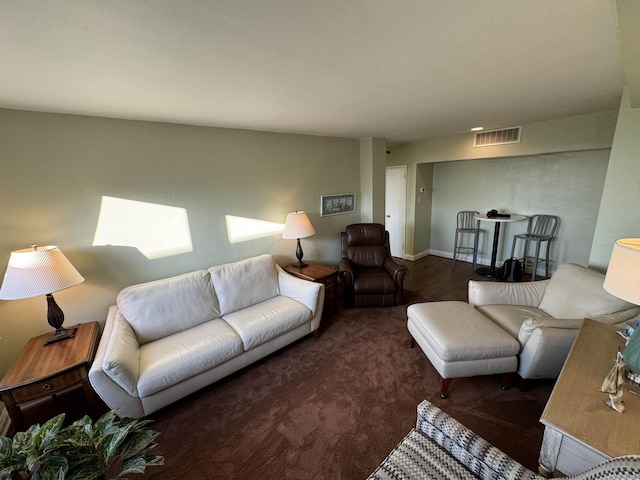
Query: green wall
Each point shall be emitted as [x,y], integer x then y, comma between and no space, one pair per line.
[54,170]
[619,215]
[561,184]
[558,167]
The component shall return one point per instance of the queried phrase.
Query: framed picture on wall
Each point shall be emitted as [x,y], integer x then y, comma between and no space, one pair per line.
[337,203]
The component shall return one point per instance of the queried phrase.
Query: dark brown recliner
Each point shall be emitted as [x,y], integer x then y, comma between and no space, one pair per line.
[371,276]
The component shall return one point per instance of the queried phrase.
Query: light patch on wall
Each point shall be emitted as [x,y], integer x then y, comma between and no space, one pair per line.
[155,230]
[241,229]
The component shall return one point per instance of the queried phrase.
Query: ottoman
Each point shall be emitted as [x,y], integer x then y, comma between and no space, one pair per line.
[461,342]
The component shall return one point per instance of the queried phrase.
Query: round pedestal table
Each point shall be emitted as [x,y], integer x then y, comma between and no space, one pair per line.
[513,217]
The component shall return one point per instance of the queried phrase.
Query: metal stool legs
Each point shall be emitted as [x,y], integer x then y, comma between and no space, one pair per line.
[541,228]
[473,249]
[467,223]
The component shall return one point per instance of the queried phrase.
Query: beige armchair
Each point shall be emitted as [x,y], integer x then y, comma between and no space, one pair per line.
[545,316]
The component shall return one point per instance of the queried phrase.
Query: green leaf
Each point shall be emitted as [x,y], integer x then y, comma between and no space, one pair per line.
[81,451]
[48,432]
[112,447]
[134,465]
[6,448]
[139,444]
[53,467]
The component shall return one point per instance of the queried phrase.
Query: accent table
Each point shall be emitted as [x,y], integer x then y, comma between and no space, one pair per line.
[319,273]
[580,430]
[513,217]
[46,371]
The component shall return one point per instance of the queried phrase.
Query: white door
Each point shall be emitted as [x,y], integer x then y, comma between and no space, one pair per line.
[395,204]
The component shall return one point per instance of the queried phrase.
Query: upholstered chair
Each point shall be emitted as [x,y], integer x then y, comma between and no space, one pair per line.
[370,275]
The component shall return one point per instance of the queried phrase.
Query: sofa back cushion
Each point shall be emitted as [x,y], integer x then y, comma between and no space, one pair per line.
[164,307]
[576,292]
[248,282]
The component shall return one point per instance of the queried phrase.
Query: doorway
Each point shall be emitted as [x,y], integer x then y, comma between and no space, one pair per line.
[395,207]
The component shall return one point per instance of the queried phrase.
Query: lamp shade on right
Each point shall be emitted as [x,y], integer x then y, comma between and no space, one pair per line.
[623,274]
[623,281]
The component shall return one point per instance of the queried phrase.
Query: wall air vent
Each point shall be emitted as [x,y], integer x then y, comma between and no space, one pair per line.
[502,136]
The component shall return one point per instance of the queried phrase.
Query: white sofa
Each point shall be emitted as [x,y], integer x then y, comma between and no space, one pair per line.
[545,316]
[169,338]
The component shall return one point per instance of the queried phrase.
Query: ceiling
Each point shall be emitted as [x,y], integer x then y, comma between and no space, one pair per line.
[401,70]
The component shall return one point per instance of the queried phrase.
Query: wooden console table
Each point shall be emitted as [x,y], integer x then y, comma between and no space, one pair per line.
[580,430]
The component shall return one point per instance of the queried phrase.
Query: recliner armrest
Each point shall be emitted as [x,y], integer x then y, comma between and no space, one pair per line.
[345,270]
[398,271]
[506,293]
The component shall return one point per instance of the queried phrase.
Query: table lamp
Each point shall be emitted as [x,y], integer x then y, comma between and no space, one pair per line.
[623,281]
[298,226]
[39,271]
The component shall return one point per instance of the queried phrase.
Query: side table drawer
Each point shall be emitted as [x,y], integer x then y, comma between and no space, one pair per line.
[46,387]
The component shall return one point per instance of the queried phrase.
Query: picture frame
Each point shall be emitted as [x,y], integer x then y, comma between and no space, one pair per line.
[337,204]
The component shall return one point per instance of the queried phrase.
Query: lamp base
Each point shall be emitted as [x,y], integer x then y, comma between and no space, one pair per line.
[634,377]
[61,334]
[299,264]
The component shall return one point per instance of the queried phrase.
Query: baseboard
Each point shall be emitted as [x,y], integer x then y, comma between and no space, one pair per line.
[5,422]
[481,261]
[461,257]
[440,253]
[416,256]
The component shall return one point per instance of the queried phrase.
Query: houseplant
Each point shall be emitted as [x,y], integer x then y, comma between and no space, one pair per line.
[107,450]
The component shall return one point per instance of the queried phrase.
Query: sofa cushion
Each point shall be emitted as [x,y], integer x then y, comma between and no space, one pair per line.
[164,307]
[170,360]
[576,292]
[262,322]
[241,284]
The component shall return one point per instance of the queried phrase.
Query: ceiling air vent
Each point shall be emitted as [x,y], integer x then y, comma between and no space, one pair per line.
[497,137]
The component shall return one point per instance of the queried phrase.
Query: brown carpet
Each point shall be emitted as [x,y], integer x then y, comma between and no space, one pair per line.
[334,407]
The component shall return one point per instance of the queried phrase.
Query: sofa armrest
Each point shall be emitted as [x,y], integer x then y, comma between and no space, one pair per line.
[115,368]
[464,445]
[620,317]
[121,359]
[303,291]
[506,293]
[545,346]
[531,324]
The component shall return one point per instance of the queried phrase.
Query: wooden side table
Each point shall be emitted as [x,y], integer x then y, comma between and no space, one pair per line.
[41,373]
[580,430]
[319,273]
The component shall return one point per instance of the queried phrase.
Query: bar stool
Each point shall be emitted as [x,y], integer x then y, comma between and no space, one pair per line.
[541,228]
[467,223]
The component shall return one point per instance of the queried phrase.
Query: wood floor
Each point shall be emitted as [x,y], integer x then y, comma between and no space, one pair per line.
[435,279]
